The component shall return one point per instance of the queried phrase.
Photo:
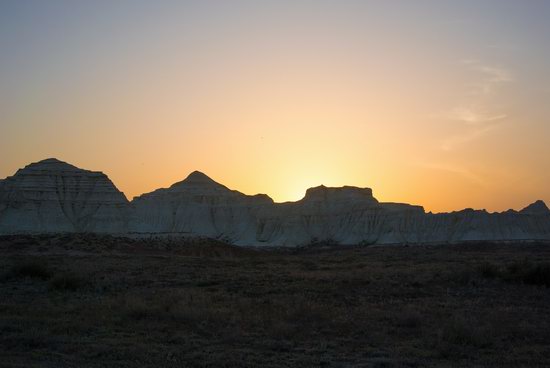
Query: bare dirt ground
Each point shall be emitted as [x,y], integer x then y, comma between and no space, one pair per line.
[90,301]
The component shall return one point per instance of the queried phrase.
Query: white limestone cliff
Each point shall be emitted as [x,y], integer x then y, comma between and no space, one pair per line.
[347,215]
[197,206]
[53,196]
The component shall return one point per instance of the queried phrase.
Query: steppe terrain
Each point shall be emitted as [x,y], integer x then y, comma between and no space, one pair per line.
[101,301]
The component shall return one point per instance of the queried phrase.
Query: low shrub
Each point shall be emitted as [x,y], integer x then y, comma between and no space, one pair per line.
[67,281]
[488,270]
[31,269]
[459,335]
[409,318]
[537,275]
[524,272]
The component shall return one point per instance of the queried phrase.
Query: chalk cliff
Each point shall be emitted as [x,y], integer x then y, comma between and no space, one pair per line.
[197,206]
[347,215]
[53,196]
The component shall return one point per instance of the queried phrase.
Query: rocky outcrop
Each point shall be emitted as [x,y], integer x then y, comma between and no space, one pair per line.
[536,208]
[347,215]
[53,196]
[197,206]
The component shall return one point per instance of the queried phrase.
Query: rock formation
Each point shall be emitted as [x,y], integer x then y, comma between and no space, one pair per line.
[53,196]
[197,206]
[536,208]
[347,215]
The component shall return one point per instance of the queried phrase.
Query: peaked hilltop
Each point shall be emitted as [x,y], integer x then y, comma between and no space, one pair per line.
[52,196]
[197,178]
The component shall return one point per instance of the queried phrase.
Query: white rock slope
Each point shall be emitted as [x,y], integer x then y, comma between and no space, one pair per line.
[53,196]
[197,206]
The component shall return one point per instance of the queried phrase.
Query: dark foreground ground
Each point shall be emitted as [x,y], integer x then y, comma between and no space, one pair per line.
[85,301]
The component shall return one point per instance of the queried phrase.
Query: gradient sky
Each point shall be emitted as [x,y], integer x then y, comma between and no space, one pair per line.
[440,103]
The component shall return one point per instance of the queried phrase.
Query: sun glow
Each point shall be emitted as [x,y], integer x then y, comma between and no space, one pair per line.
[277,97]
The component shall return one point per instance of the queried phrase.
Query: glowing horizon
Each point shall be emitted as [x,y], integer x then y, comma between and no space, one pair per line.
[300,194]
[437,103]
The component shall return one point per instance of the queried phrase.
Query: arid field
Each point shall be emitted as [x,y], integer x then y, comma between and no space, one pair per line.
[91,301]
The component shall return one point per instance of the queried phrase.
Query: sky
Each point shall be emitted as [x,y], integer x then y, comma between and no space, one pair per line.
[440,103]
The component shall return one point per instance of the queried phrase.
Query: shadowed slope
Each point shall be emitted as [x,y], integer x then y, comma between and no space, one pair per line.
[53,196]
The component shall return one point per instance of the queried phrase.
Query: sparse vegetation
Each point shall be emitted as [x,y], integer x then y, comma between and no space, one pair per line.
[524,271]
[67,281]
[317,243]
[93,301]
[32,269]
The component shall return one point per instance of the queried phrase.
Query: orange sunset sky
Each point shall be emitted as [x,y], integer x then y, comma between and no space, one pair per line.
[445,104]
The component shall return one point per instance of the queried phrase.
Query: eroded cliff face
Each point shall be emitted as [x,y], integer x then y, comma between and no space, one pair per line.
[197,206]
[53,196]
[536,208]
[347,215]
